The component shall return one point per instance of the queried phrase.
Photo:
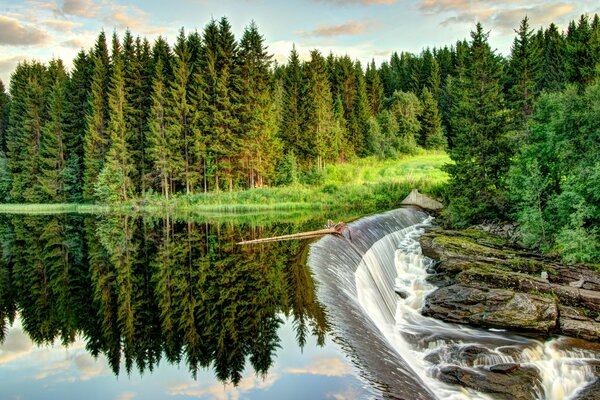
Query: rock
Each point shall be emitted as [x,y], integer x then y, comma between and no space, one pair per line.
[484,280]
[590,392]
[574,322]
[504,368]
[519,383]
[456,353]
[495,308]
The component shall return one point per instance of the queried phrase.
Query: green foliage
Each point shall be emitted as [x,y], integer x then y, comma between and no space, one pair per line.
[555,176]
[481,148]
[431,136]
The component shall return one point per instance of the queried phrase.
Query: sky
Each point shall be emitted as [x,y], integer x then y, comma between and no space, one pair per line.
[362,29]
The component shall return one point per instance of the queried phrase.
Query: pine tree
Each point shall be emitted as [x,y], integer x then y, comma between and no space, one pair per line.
[291,124]
[96,139]
[359,117]
[52,158]
[580,60]
[552,76]
[319,121]
[180,113]
[4,107]
[481,151]
[522,72]
[257,117]
[27,117]
[374,88]
[77,108]
[431,124]
[160,144]
[114,182]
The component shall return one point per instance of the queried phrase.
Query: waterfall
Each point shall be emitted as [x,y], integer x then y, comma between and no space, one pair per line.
[374,284]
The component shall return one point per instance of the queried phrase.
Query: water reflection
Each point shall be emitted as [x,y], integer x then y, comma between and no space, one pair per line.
[141,290]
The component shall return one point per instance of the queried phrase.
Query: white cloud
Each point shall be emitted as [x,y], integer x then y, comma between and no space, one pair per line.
[327,366]
[15,33]
[221,391]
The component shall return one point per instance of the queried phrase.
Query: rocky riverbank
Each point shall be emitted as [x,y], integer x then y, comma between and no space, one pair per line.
[486,281]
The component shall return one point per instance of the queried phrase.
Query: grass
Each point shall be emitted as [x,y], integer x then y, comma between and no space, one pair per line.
[366,185]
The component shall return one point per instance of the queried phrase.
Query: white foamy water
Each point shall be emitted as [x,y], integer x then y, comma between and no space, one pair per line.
[390,289]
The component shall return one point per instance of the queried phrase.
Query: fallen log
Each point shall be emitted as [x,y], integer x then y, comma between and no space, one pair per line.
[330,228]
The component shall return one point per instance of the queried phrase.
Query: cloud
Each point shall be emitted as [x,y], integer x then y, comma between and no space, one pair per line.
[349,28]
[15,33]
[126,396]
[16,344]
[504,15]
[220,391]
[363,2]
[90,367]
[123,17]
[330,366]
[60,25]
[80,8]
[54,368]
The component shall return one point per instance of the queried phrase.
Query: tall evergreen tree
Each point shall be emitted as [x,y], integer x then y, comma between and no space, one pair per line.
[318,110]
[359,117]
[52,157]
[160,144]
[96,139]
[552,75]
[431,136]
[27,118]
[180,113]
[114,182]
[77,108]
[481,151]
[291,119]
[374,88]
[523,68]
[256,116]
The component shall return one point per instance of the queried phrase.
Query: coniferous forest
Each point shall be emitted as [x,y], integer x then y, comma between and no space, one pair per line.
[210,112]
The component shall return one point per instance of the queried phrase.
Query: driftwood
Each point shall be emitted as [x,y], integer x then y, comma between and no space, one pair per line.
[330,228]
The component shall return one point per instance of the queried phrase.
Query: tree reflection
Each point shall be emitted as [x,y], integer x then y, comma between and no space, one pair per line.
[138,289]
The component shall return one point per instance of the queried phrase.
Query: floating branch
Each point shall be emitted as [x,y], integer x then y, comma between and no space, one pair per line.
[330,228]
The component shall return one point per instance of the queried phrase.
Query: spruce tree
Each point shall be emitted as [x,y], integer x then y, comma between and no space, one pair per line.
[431,136]
[52,158]
[114,182]
[256,117]
[374,88]
[522,72]
[180,113]
[160,144]
[482,150]
[291,119]
[27,117]
[96,140]
[359,116]
[77,108]
[319,121]
[552,75]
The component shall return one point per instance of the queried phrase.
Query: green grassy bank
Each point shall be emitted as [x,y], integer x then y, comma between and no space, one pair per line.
[367,184]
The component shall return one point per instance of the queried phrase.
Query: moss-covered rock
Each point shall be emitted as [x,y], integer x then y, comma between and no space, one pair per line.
[485,280]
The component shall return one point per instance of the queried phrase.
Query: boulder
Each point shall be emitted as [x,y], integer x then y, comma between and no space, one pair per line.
[485,280]
[514,382]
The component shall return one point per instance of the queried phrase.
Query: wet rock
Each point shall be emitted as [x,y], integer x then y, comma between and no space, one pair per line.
[574,322]
[492,308]
[466,355]
[521,383]
[590,392]
[507,368]
[484,280]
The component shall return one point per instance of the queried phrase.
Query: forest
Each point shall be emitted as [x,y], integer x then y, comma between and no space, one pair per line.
[210,113]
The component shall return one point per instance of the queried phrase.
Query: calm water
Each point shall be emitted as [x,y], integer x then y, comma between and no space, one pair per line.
[121,307]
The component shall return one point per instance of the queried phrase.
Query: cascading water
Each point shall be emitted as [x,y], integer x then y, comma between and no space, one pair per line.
[374,284]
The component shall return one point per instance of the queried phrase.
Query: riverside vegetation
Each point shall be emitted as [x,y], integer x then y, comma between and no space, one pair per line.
[221,118]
